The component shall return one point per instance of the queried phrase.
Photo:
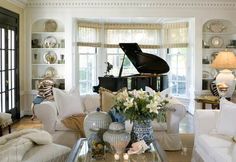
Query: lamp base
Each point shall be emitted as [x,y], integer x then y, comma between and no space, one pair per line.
[226,77]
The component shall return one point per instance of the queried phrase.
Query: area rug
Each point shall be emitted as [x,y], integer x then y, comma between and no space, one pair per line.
[185,154]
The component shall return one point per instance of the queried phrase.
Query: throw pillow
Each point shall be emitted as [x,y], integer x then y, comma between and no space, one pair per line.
[227,118]
[68,103]
[76,123]
[91,102]
[107,98]
[116,116]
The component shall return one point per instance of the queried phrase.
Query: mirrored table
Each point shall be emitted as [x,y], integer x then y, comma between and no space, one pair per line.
[81,153]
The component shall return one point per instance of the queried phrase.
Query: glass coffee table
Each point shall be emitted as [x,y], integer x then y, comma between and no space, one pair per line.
[80,153]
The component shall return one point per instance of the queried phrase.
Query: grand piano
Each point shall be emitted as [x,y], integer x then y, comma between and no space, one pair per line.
[150,68]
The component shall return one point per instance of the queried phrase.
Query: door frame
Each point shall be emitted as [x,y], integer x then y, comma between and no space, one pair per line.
[10,20]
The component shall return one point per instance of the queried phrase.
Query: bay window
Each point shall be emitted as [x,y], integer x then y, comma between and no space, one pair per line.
[102,40]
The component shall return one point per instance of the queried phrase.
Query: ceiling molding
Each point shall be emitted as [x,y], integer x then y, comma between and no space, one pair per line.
[19,3]
[223,4]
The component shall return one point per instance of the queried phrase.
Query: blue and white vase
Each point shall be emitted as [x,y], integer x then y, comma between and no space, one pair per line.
[142,131]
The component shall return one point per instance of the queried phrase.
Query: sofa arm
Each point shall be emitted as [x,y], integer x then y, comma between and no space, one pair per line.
[205,121]
[46,112]
[175,115]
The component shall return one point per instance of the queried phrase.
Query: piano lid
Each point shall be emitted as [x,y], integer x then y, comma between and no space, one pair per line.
[144,62]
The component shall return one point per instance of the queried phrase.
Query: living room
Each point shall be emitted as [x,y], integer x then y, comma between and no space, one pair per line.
[88,33]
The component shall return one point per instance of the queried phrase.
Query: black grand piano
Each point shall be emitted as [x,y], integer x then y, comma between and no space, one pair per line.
[150,68]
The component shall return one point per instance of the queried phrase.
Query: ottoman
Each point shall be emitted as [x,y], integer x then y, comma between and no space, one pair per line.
[5,121]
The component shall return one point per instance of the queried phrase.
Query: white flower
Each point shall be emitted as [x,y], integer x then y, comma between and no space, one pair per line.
[153,107]
[122,95]
[128,103]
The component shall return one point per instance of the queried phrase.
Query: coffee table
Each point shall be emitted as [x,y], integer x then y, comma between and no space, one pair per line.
[80,153]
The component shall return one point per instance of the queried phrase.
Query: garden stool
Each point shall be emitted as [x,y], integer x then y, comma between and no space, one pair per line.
[5,121]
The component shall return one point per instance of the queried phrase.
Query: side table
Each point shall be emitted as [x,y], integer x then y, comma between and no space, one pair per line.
[213,100]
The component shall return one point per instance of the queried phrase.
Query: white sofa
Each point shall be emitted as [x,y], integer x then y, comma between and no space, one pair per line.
[167,133]
[209,146]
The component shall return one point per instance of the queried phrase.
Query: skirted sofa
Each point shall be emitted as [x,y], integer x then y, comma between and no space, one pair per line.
[166,133]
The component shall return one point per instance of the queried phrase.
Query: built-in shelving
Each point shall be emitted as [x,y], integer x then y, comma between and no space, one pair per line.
[48,52]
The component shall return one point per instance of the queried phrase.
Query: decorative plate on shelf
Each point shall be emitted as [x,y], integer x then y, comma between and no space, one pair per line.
[213,73]
[206,75]
[50,42]
[216,26]
[50,26]
[50,57]
[50,72]
[216,42]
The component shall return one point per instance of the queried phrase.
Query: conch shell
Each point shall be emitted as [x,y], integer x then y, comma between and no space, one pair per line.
[138,147]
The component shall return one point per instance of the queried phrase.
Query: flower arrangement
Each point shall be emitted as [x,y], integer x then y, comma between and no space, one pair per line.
[139,105]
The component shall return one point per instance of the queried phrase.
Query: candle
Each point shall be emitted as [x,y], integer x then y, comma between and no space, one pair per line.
[126,156]
[116,156]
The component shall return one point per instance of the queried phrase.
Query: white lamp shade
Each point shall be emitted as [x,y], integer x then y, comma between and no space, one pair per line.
[226,76]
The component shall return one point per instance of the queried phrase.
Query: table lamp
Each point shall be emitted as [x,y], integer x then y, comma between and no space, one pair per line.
[225,61]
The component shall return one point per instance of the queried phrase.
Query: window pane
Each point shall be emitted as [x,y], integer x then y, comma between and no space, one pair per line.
[87,71]
[178,70]
[3,38]
[3,60]
[116,61]
[9,59]
[3,81]
[9,79]
[3,102]
[13,59]
[13,98]
[9,100]
[13,79]
[181,88]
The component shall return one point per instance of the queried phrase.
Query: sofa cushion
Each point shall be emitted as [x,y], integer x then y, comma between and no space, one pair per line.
[91,102]
[227,118]
[68,103]
[217,147]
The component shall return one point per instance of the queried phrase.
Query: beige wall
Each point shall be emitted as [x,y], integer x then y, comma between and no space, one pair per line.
[22,44]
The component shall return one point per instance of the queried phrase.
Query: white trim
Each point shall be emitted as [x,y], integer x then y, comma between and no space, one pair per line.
[226,4]
[19,3]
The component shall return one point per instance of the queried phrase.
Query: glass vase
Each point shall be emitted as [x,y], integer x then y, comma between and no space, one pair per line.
[142,131]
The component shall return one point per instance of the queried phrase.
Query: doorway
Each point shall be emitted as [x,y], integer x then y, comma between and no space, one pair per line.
[9,63]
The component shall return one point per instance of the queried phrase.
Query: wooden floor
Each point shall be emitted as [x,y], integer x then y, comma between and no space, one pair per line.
[24,123]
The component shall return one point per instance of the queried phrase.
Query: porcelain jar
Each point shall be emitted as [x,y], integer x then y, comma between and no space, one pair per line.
[117,137]
[96,119]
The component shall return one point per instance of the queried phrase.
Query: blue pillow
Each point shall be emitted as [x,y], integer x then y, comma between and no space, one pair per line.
[116,116]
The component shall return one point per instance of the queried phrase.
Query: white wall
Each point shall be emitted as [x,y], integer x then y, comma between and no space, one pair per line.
[67,13]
